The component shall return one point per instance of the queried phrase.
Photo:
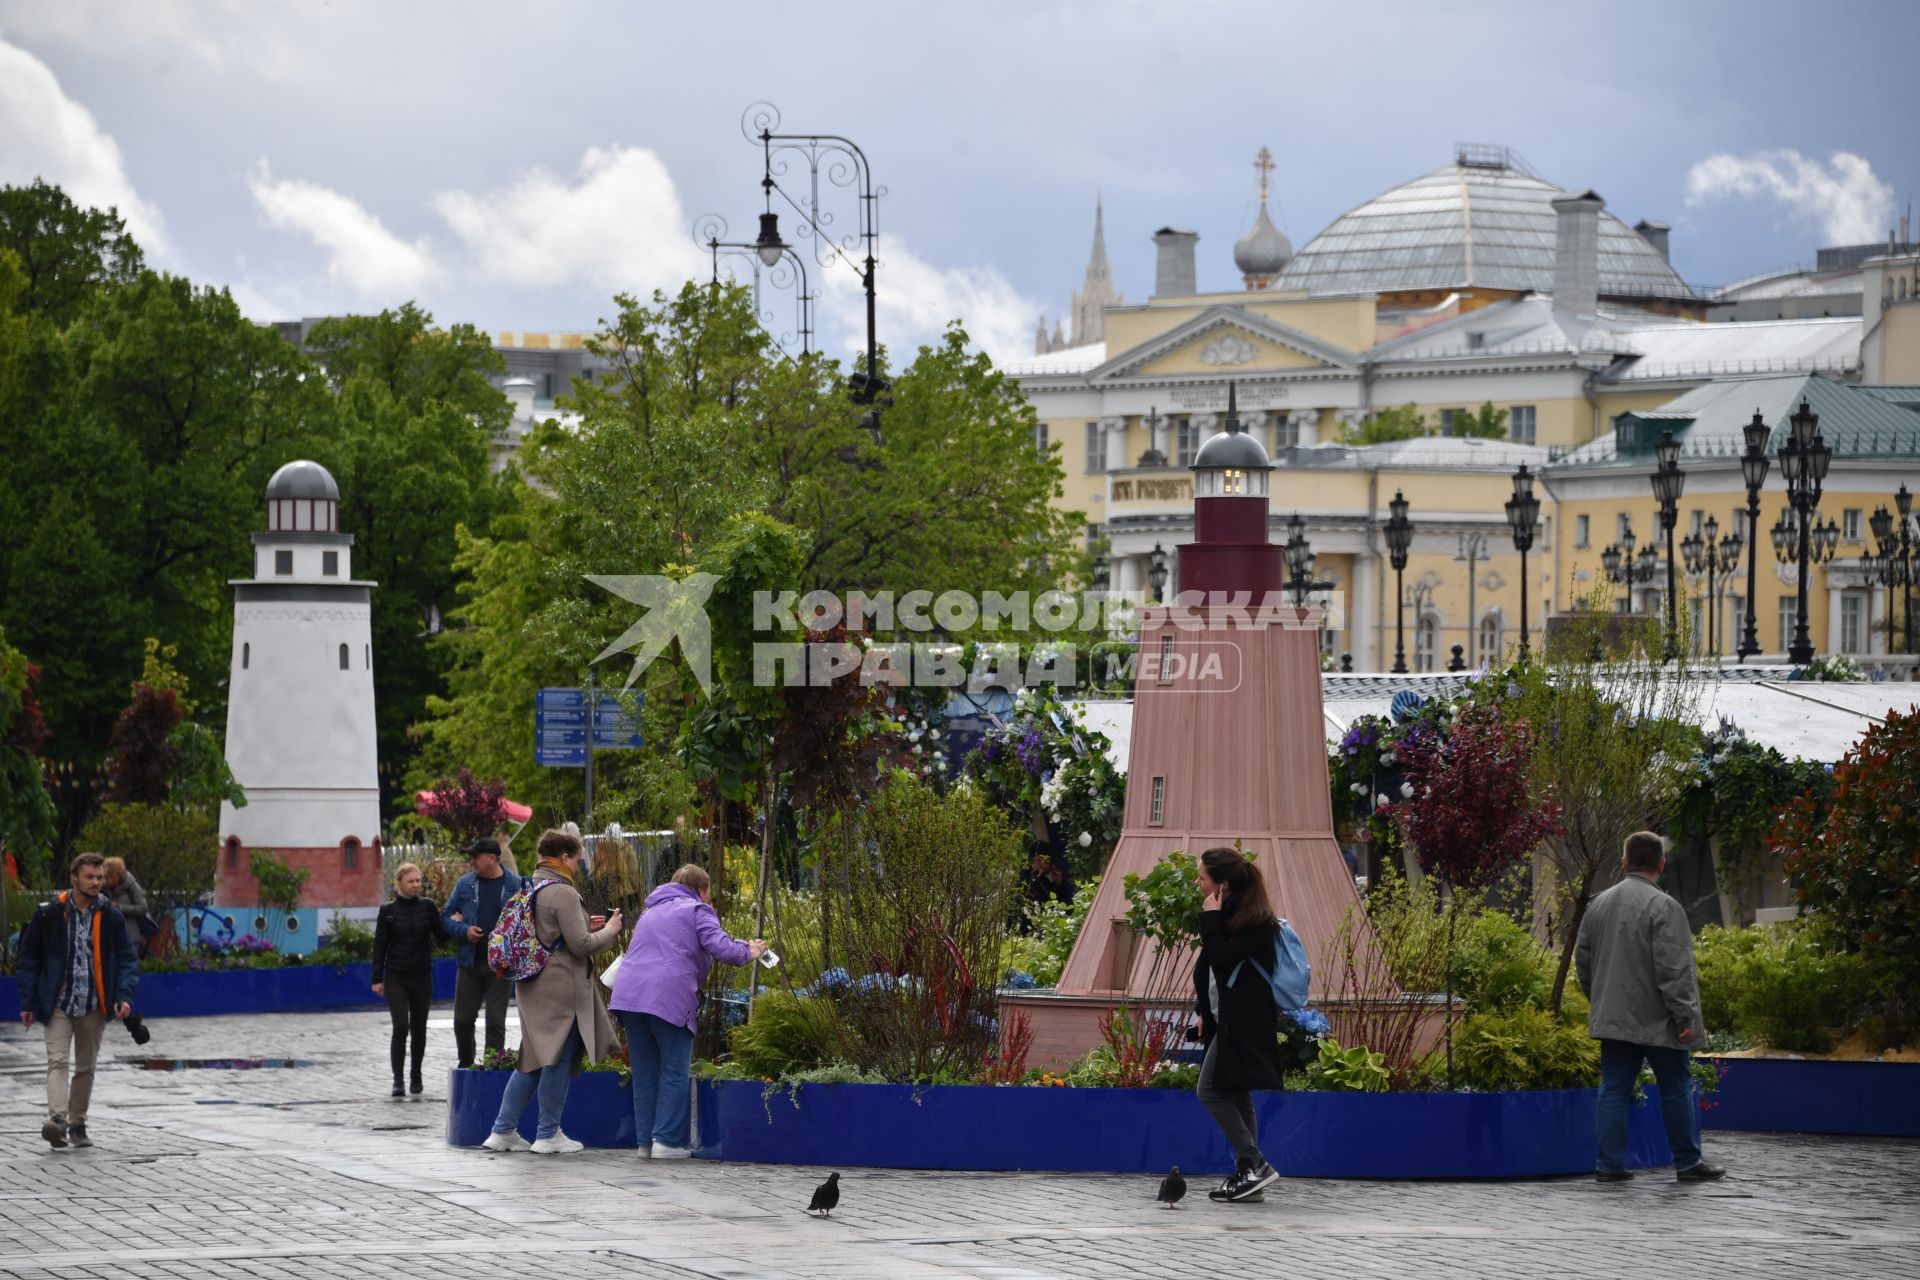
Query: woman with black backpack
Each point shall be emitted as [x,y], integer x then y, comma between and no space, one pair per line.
[403,937]
[1239,1021]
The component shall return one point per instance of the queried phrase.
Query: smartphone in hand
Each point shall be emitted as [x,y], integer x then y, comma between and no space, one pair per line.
[769,959]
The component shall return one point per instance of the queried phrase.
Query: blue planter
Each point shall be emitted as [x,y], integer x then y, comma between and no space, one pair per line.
[293,989]
[599,1110]
[1788,1095]
[1321,1135]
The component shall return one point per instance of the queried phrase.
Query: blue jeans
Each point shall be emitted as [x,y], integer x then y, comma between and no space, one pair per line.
[661,1056]
[1619,1068]
[549,1084]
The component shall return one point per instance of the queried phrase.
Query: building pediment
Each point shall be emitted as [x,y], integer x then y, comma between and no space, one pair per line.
[1225,341]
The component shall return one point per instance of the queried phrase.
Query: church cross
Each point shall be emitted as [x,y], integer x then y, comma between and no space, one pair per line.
[1264,164]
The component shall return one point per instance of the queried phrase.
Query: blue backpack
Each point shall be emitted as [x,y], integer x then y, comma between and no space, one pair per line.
[1290,974]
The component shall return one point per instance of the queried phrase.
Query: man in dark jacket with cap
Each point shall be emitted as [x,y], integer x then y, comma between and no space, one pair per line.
[472,911]
[77,968]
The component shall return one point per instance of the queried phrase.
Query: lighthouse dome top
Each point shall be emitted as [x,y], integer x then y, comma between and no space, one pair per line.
[1234,449]
[303,479]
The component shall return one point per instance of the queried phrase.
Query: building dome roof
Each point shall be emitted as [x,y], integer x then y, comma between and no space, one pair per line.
[1264,249]
[1232,449]
[303,480]
[1484,220]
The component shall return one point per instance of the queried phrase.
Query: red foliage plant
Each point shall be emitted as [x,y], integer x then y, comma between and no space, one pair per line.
[142,759]
[29,731]
[1006,1062]
[1135,1057]
[467,807]
[1472,813]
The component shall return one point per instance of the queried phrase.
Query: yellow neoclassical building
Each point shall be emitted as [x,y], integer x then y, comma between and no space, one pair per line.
[1479,284]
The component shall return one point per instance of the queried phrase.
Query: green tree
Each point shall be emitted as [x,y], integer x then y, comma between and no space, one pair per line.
[1484,423]
[67,253]
[26,811]
[1387,425]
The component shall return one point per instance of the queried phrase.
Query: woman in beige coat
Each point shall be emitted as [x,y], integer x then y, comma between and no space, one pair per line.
[563,1021]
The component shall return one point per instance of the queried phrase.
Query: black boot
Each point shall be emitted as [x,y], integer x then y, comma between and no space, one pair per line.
[399,1087]
[416,1084]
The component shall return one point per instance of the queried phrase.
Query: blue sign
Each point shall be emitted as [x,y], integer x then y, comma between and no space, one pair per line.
[562,720]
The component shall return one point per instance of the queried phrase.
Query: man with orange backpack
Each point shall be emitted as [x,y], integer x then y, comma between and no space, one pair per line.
[77,967]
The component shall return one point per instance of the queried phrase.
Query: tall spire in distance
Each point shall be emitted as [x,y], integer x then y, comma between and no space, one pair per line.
[1097,293]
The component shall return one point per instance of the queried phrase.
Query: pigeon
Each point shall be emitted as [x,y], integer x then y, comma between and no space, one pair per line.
[1172,1187]
[825,1196]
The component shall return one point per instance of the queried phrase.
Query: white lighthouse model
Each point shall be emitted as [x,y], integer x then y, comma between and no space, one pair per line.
[300,728]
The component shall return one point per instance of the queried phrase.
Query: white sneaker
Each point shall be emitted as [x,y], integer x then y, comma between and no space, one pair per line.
[508,1141]
[558,1145]
[661,1151]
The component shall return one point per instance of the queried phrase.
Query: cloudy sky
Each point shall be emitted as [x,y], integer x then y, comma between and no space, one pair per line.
[516,165]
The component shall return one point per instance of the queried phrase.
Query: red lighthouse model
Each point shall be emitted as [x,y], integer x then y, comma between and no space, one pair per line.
[1228,742]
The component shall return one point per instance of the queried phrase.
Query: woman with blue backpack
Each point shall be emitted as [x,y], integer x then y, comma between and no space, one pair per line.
[1239,1019]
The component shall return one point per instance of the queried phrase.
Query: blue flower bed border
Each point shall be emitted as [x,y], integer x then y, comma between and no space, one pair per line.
[1807,1095]
[287,989]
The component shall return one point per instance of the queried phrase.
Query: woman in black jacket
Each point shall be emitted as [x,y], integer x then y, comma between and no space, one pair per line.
[403,967]
[1238,1019]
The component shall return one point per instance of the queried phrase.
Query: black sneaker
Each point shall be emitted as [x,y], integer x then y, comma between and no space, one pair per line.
[55,1132]
[1252,1183]
[399,1088]
[417,1085]
[1219,1193]
[1613,1175]
[77,1136]
[1702,1172]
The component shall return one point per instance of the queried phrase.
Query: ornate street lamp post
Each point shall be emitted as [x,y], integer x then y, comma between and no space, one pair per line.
[1523,512]
[1803,461]
[1623,570]
[1753,470]
[846,166]
[1300,558]
[1399,538]
[1473,549]
[1668,481]
[1707,552]
[786,267]
[1157,574]
[1895,567]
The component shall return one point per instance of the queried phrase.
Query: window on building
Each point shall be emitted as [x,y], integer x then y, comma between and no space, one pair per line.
[1040,438]
[1158,810]
[1166,658]
[1186,441]
[1426,642]
[1520,423]
[1096,450]
[369,657]
[246,655]
[330,563]
[349,854]
[283,562]
[1853,622]
[1582,526]
[1446,421]
[1492,643]
[1789,609]
[1093,536]
[233,853]
[344,662]
[1696,624]
[1850,525]
[1285,431]
[1620,527]
[1694,520]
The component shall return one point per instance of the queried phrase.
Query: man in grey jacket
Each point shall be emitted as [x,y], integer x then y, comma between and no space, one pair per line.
[1635,961]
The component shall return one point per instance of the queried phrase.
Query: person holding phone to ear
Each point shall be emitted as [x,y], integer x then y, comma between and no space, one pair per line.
[657,995]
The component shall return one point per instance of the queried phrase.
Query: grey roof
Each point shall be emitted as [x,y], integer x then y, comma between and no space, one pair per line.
[1467,225]
[1232,449]
[302,480]
[1855,422]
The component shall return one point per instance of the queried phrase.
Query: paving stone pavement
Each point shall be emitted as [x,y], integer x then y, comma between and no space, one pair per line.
[285,1173]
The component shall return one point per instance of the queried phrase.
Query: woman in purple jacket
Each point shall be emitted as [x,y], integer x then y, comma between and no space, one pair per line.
[657,994]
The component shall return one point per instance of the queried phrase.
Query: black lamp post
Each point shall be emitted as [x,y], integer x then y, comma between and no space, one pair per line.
[1523,512]
[785,267]
[1668,481]
[1753,470]
[1623,570]
[846,166]
[1300,558]
[1399,538]
[1707,552]
[1803,461]
[1895,567]
[1157,574]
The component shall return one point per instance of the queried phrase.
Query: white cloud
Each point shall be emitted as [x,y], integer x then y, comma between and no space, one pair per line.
[915,300]
[1842,197]
[618,227]
[45,134]
[370,258]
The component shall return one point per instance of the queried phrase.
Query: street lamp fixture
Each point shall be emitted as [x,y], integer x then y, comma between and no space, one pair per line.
[1473,549]
[1399,539]
[1804,461]
[1523,513]
[1618,562]
[1668,482]
[1157,574]
[1753,470]
[1300,557]
[1707,552]
[1898,562]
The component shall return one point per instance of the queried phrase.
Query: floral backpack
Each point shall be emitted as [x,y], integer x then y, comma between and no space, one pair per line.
[514,950]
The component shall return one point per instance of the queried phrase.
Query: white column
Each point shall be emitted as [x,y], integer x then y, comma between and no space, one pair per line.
[1308,421]
[1876,620]
[1205,427]
[1161,444]
[1116,429]
[1833,616]
[1360,611]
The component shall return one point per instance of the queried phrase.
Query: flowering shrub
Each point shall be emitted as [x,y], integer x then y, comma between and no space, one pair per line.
[1299,1035]
[1739,792]
[1044,764]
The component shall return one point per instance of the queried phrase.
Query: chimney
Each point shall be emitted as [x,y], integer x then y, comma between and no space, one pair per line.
[1576,253]
[1655,234]
[519,391]
[1173,275]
